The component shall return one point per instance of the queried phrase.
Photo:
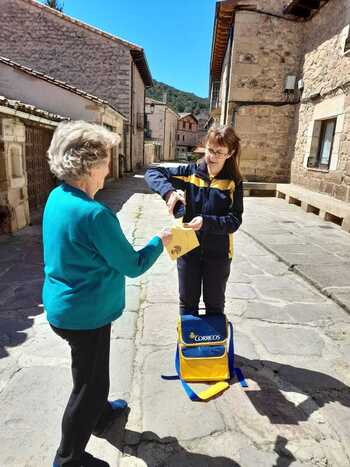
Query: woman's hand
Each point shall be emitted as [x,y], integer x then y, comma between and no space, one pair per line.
[195,224]
[166,236]
[172,198]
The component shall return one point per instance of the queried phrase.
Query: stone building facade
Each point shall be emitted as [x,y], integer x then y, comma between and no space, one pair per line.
[25,134]
[97,62]
[152,152]
[161,127]
[32,108]
[202,118]
[280,73]
[253,53]
[325,101]
[187,134]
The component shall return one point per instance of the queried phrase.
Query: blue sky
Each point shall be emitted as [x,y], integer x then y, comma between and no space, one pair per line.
[176,36]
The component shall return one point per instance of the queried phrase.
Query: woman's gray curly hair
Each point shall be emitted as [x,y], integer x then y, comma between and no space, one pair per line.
[77,147]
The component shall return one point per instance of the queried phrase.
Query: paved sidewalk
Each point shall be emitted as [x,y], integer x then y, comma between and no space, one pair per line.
[292,341]
[317,250]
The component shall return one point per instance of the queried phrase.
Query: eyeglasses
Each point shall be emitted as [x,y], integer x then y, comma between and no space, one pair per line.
[217,153]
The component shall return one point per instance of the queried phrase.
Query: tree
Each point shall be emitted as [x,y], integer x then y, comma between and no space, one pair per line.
[55,4]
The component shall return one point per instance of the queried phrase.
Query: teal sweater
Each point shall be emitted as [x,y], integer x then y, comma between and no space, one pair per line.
[86,258]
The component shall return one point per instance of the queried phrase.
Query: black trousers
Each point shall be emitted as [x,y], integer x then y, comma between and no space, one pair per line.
[196,272]
[88,402]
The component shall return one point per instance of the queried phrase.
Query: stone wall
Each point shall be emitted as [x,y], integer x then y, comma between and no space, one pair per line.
[155,117]
[326,74]
[187,137]
[151,153]
[264,131]
[163,125]
[272,6]
[115,123]
[265,50]
[67,52]
[324,67]
[78,56]
[169,149]
[279,131]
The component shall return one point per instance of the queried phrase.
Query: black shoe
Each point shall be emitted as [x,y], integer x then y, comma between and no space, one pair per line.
[118,409]
[89,461]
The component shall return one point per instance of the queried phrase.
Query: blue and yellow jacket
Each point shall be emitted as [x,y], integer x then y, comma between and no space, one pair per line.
[218,200]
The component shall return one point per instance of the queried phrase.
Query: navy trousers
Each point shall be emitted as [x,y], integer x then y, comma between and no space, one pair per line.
[196,273]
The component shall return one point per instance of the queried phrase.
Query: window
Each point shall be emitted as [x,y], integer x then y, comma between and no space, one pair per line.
[190,126]
[347,42]
[183,137]
[215,95]
[321,149]
[184,125]
[109,127]
[140,121]
[16,162]
[177,137]
[234,118]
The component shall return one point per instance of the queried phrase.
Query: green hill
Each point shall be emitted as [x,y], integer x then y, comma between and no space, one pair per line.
[180,101]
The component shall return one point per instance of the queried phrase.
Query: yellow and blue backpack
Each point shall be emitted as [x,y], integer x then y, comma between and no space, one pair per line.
[205,353]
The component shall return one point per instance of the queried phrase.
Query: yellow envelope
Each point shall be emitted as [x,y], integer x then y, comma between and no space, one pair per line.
[183,241]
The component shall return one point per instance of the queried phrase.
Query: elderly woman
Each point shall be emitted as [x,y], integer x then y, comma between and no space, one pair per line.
[86,258]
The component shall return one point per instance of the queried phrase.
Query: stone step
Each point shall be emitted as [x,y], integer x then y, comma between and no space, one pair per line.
[259,189]
[327,207]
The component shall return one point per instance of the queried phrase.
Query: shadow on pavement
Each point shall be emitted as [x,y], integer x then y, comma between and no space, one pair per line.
[167,451]
[272,377]
[116,194]
[285,457]
[21,282]
[156,451]
[21,268]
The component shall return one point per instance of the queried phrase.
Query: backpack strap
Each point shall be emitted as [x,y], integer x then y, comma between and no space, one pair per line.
[231,361]
[205,395]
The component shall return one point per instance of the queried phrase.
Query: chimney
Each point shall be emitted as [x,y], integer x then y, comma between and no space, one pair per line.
[165,96]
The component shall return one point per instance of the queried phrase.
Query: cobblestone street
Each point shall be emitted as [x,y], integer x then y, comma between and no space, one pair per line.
[288,297]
